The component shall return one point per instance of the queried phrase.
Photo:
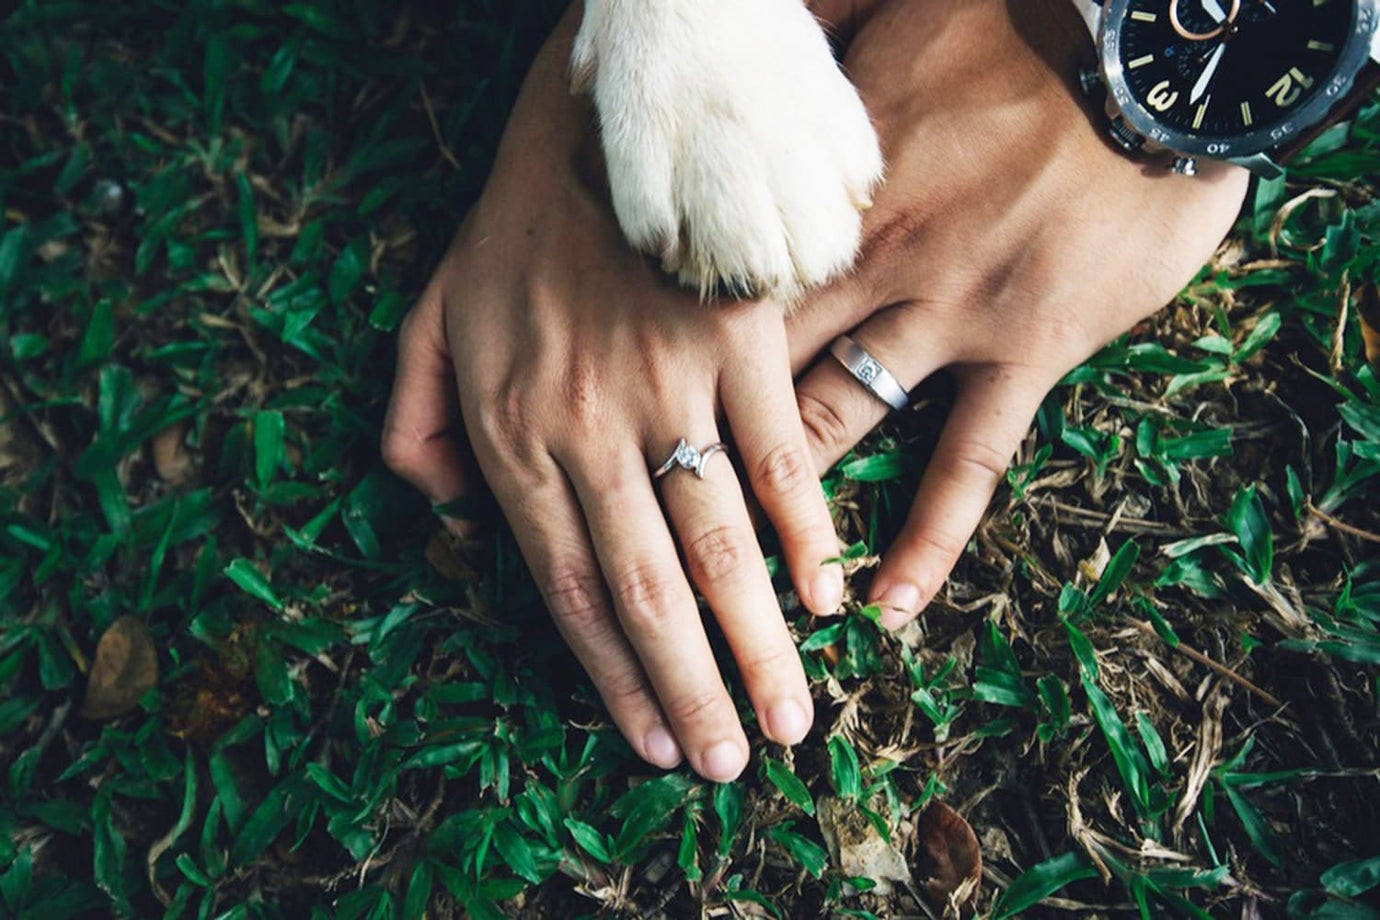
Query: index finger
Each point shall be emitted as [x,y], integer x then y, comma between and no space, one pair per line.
[760,405]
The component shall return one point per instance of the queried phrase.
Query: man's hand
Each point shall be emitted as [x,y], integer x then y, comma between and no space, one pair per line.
[578,367]
[1009,243]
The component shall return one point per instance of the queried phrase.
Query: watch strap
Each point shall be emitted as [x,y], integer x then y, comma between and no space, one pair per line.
[1091,11]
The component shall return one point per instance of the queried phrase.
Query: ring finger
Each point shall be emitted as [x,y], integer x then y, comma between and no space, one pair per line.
[657,608]
[837,409]
[711,519]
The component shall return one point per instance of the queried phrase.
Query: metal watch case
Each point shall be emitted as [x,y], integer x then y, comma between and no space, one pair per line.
[1249,149]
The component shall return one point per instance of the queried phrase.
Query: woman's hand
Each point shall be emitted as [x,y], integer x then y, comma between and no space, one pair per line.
[579,367]
[1009,243]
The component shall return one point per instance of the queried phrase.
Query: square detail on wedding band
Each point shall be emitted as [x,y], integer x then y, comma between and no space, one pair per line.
[868,370]
[688,457]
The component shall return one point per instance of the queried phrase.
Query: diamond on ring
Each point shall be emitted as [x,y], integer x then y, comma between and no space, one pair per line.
[688,457]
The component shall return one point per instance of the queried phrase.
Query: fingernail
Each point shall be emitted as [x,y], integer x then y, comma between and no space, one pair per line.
[661,748]
[827,589]
[789,722]
[723,762]
[899,604]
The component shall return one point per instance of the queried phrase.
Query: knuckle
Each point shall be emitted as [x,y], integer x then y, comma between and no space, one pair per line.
[645,598]
[823,424]
[400,453]
[576,599]
[505,419]
[930,542]
[982,458]
[717,553]
[585,397]
[783,470]
[770,665]
[624,691]
[694,706]
[622,475]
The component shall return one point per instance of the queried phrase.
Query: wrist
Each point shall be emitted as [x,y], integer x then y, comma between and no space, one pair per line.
[1058,31]
[550,147]
[548,119]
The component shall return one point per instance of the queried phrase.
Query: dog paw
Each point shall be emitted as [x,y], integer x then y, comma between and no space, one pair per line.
[737,151]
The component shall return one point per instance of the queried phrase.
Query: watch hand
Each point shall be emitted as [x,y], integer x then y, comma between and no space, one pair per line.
[1214,9]
[1201,86]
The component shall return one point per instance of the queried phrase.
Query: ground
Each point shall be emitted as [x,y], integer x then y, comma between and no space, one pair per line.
[1150,686]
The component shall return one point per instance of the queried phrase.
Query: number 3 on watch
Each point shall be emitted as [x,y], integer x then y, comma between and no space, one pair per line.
[1161,97]
[1287,89]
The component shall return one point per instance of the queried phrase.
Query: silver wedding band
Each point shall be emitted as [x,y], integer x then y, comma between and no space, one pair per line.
[689,458]
[868,371]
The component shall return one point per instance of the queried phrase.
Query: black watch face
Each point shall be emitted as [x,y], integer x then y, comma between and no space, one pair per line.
[1216,72]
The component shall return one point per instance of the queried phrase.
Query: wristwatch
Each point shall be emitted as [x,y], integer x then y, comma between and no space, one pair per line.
[1247,81]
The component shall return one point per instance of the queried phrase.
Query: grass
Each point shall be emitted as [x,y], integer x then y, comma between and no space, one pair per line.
[215,215]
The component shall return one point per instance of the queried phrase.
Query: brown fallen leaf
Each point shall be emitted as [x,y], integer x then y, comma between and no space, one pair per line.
[444,552]
[1324,201]
[126,666]
[950,861]
[171,459]
[1368,308]
[857,849]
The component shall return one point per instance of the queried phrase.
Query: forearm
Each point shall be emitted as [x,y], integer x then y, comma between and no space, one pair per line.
[548,122]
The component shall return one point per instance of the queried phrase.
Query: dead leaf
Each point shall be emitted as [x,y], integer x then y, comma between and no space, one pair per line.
[996,845]
[16,453]
[126,666]
[171,459]
[1091,569]
[950,860]
[856,847]
[1204,758]
[1336,357]
[1279,233]
[443,551]
[1368,308]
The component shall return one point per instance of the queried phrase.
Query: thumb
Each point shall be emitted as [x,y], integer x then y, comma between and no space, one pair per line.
[423,435]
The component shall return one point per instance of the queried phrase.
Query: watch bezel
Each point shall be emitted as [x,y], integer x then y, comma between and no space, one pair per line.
[1353,57]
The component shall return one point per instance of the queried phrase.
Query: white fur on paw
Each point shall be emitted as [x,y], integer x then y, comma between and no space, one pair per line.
[737,151]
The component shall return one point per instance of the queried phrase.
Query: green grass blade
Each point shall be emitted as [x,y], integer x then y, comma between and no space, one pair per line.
[1039,882]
